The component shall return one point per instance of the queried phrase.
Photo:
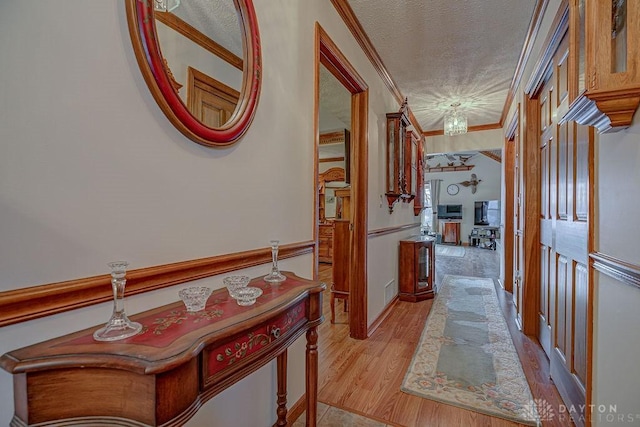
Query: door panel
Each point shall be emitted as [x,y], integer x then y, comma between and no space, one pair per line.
[546,155]
[565,159]
[560,327]
[581,295]
[544,317]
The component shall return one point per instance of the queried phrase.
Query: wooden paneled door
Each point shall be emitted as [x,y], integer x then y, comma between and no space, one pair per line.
[565,159]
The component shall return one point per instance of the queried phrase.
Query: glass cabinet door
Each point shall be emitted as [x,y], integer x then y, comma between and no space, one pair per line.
[423,259]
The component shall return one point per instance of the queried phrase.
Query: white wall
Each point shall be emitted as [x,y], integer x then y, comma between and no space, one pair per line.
[616,315]
[480,140]
[487,170]
[92,171]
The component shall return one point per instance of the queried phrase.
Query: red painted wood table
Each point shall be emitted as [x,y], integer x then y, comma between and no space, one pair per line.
[163,375]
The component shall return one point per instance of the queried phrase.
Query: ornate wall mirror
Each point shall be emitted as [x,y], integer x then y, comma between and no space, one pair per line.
[201,60]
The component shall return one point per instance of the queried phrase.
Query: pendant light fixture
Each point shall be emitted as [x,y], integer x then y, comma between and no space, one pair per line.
[454,122]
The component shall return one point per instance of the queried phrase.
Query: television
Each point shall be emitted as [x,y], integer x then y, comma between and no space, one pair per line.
[449,211]
[487,213]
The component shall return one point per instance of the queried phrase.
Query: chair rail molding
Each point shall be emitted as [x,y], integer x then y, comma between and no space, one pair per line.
[34,302]
[618,269]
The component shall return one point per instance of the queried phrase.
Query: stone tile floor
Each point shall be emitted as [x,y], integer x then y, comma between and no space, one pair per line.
[330,416]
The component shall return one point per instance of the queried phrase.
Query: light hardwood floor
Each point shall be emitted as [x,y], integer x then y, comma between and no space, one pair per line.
[364,376]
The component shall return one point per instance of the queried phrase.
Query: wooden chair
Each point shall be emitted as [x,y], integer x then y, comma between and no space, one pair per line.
[340,286]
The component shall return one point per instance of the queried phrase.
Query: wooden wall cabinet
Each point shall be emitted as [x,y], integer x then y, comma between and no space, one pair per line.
[417,268]
[163,375]
[605,54]
[410,165]
[396,145]
[419,202]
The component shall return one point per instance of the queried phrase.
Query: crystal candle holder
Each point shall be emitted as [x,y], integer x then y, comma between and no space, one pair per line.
[233,283]
[195,297]
[275,276]
[247,295]
[119,326]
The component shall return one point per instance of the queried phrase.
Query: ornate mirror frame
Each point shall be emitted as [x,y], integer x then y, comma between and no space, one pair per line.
[144,38]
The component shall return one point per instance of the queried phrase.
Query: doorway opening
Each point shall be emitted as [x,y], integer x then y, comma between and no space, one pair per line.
[353,209]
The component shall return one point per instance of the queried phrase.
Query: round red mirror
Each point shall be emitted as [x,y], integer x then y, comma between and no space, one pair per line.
[201,60]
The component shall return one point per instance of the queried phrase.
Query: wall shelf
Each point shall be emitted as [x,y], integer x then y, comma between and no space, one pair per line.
[450,168]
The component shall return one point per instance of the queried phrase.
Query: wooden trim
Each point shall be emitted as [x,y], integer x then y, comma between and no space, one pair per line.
[182,27]
[296,410]
[508,235]
[476,128]
[541,70]
[492,156]
[616,268]
[39,301]
[331,159]
[337,137]
[359,201]
[328,54]
[525,54]
[531,237]
[391,230]
[514,124]
[451,168]
[382,316]
[353,24]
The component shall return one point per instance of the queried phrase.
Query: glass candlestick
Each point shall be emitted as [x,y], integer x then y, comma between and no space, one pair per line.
[119,326]
[274,276]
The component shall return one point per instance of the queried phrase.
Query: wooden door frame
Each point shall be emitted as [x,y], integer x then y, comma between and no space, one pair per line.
[512,137]
[328,54]
[530,167]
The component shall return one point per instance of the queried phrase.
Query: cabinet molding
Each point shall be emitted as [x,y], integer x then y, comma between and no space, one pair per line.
[610,95]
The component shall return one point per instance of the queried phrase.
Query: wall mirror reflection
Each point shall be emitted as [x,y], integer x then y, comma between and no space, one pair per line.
[201,44]
[333,151]
[204,70]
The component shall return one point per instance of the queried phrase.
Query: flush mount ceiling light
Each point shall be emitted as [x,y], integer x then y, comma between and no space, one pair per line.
[454,122]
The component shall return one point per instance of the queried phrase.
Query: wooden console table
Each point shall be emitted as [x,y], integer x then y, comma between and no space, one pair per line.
[163,375]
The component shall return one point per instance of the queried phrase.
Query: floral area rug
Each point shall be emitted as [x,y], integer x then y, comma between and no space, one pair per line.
[466,356]
[457,251]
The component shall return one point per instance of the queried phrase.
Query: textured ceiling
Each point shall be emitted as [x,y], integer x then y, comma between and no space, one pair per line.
[216,19]
[444,51]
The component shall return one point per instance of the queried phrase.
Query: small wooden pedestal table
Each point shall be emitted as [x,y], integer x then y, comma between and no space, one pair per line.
[163,375]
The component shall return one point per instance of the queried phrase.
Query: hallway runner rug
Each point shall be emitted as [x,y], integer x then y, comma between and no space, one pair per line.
[466,356]
[457,251]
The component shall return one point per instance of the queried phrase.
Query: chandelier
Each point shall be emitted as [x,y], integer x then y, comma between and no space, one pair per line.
[166,5]
[454,122]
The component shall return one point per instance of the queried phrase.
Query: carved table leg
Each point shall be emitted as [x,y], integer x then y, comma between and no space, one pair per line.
[312,376]
[282,389]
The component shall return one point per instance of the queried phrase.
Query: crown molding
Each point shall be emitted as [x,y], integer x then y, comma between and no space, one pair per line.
[525,55]
[353,24]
